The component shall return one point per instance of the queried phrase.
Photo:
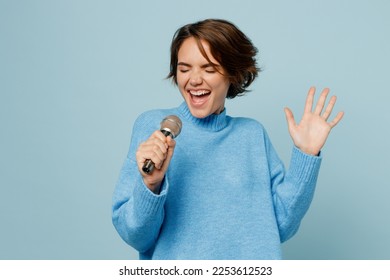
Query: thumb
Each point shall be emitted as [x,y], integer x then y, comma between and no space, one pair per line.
[171,147]
[290,118]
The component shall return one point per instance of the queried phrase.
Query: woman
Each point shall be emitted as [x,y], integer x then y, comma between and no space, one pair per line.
[225,193]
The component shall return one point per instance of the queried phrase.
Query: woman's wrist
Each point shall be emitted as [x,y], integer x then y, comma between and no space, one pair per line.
[153,187]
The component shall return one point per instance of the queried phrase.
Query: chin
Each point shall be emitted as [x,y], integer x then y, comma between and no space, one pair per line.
[199,113]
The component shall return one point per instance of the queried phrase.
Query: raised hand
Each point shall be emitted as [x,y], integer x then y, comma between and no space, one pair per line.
[310,134]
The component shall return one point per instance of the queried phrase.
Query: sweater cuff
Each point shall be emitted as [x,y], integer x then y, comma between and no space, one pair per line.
[147,202]
[304,167]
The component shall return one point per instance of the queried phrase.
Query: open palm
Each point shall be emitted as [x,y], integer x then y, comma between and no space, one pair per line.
[311,133]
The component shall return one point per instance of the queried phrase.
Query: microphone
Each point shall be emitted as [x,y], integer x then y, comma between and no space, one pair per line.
[170,126]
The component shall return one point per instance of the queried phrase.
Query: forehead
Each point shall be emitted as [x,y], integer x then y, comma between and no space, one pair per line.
[190,51]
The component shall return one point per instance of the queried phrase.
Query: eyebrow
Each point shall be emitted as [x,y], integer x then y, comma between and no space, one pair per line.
[202,66]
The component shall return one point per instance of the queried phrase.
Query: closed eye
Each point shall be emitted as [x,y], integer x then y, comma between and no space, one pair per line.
[210,70]
[183,67]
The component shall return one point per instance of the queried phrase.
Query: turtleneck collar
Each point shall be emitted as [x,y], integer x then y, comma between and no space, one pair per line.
[213,122]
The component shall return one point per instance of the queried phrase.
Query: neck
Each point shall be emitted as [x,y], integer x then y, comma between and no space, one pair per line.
[213,122]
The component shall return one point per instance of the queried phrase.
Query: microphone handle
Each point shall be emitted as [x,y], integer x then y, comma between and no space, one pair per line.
[149,164]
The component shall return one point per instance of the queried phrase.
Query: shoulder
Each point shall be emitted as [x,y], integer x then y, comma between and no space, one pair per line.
[152,118]
[149,117]
[145,124]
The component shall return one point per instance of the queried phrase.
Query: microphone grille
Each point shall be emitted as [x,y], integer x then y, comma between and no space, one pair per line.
[173,124]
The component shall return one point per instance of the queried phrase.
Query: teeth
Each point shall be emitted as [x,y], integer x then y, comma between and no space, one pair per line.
[199,92]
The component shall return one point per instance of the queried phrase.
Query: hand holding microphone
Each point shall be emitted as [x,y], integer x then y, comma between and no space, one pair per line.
[154,155]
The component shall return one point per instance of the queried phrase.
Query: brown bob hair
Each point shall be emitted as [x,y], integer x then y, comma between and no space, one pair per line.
[228,45]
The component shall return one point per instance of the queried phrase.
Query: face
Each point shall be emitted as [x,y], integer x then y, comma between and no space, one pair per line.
[203,87]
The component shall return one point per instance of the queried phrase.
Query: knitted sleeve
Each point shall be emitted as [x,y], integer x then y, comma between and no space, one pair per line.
[137,213]
[292,190]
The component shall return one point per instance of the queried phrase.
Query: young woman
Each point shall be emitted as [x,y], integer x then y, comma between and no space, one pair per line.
[220,191]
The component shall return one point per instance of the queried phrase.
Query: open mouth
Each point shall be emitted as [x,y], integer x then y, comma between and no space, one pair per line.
[199,97]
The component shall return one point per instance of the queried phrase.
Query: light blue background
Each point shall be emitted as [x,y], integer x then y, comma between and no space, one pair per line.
[75,74]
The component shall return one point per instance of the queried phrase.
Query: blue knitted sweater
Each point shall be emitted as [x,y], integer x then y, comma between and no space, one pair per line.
[226,194]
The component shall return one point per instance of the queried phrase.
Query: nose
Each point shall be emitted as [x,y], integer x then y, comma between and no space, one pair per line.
[196,78]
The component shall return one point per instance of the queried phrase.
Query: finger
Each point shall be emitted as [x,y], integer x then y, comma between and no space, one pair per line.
[289,117]
[321,101]
[309,100]
[337,119]
[156,158]
[329,108]
[153,149]
[152,142]
[152,153]
[159,135]
[171,144]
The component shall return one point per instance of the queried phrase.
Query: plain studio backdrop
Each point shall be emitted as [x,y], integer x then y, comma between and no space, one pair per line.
[74,75]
